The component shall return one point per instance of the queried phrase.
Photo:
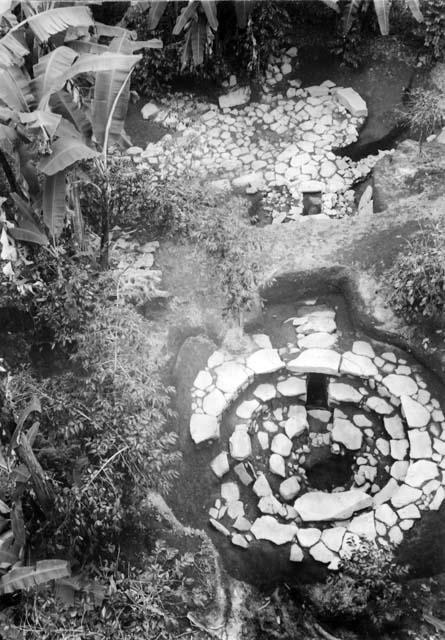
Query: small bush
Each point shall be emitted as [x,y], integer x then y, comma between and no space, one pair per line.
[368,587]
[424,113]
[417,278]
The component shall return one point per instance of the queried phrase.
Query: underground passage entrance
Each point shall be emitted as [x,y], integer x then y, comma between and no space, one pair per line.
[317,390]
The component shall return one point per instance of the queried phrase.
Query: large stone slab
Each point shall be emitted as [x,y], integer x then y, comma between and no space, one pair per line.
[339,392]
[420,472]
[231,377]
[399,385]
[265,361]
[416,415]
[267,528]
[355,365]
[316,361]
[203,427]
[351,100]
[292,387]
[346,433]
[419,444]
[318,506]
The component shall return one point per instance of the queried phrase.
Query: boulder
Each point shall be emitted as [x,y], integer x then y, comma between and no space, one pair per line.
[317,506]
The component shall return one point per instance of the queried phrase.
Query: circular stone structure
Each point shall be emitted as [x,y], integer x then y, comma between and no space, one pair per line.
[324,447]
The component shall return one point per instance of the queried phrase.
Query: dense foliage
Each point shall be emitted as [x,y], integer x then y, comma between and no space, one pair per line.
[417,277]
[433,28]
[368,587]
[423,113]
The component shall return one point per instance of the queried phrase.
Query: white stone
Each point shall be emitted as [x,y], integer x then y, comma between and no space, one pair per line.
[420,472]
[292,387]
[219,527]
[235,509]
[267,528]
[296,424]
[321,553]
[231,377]
[383,446]
[351,100]
[214,403]
[269,504]
[149,110]
[319,340]
[399,449]
[363,525]
[420,444]
[316,361]
[399,469]
[379,405]
[309,536]
[318,506]
[385,514]
[333,538]
[261,487]
[242,524]
[411,511]
[399,385]
[247,408]
[281,444]
[347,434]
[262,340]
[240,445]
[438,499]
[263,439]
[290,488]
[386,492]
[394,427]
[416,415]
[296,553]
[203,380]
[360,420]
[230,491]
[203,427]
[277,465]
[405,495]
[265,392]
[215,359]
[395,535]
[265,361]
[220,465]
[235,98]
[355,365]
[339,392]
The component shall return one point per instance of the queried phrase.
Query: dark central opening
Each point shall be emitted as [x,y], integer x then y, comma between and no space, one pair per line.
[333,471]
[317,390]
[311,203]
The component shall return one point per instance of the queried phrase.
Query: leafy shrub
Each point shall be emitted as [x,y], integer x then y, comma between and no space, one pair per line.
[369,586]
[433,28]
[121,601]
[417,277]
[424,113]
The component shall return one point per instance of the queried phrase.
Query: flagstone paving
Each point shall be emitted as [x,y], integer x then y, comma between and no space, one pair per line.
[282,146]
[387,425]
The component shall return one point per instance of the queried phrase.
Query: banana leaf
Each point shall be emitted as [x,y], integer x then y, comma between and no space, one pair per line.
[243,9]
[332,4]
[210,11]
[28,577]
[53,203]
[46,24]
[52,65]
[157,9]
[12,49]
[186,14]
[27,230]
[62,103]
[45,120]
[382,8]
[65,152]
[198,38]
[15,91]
[414,7]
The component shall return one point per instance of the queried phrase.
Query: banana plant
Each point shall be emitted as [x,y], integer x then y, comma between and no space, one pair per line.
[46,116]
[382,9]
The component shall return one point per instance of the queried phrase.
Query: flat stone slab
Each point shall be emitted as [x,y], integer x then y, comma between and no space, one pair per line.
[399,385]
[277,465]
[394,427]
[261,487]
[265,392]
[318,340]
[292,387]
[231,377]
[355,365]
[333,538]
[265,361]
[247,408]
[416,415]
[405,495]
[362,348]
[290,488]
[203,427]
[318,506]
[235,98]
[267,528]
[351,100]
[347,434]
[420,444]
[309,536]
[363,525]
[220,464]
[420,472]
[340,392]
[324,361]
[282,445]
[214,403]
